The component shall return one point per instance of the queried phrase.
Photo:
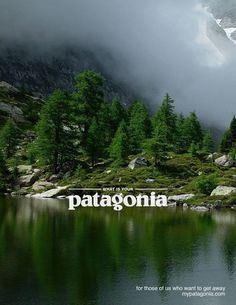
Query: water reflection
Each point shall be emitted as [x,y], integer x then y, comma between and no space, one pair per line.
[51,256]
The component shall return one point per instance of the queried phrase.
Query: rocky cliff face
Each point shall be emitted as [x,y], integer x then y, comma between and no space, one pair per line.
[18,105]
[228,19]
[219,7]
[224,12]
[221,27]
[43,72]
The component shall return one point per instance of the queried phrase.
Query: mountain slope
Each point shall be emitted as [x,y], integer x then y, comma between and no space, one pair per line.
[18,105]
[224,13]
[41,72]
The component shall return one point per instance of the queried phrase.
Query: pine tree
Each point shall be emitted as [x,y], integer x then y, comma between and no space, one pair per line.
[233,129]
[192,130]
[9,138]
[104,120]
[139,126]
[180,140]
[94,145]
[193,149]
[118,113]
[119,148]
[55,132]
[158,145]
[166,116]
[207,143]
[226,142]
[87,98]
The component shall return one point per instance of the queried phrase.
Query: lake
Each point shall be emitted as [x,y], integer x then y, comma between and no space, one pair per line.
[50,256]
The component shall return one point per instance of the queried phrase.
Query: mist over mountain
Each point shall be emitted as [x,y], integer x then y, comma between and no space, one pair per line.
[43,71]
[219,7]
[144,49]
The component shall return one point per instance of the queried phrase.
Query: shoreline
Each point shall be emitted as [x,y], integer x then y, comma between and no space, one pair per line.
[204,207]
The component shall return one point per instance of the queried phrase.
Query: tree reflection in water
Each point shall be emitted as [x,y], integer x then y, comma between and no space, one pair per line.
[68,256]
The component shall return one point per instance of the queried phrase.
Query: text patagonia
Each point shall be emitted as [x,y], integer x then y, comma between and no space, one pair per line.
[117,201]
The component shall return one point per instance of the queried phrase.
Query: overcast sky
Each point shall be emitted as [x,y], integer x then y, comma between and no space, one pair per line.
[158,46]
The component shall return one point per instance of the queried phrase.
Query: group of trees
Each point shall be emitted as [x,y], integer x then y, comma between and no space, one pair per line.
[83,125]
[174,132]
[228,142]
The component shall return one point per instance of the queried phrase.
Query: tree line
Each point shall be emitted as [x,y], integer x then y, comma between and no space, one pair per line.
[83,125]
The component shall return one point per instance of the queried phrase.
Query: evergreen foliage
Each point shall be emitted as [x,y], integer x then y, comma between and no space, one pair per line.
[193,150]
[206,184]
[119,149]
[188,134]
[9,138]
[158,144]
[55,131]
[228,141]
[181,144]
[207,143]
[105,125]
[117,114]
[84,125]
[88,98]
[3,170]
[192,130]
[166,117]
[94,143]
[233,129]
[139,126]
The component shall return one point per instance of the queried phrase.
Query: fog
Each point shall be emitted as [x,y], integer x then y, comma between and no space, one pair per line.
[154,46]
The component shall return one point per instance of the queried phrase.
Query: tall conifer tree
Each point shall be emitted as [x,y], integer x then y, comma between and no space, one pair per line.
[165,116]
[55,131]
[9,138]
[139,126]
[119,149]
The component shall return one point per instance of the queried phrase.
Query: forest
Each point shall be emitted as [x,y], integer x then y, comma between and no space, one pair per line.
[80,130]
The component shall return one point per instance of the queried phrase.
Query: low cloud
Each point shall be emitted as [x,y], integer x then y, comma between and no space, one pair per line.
[154,46]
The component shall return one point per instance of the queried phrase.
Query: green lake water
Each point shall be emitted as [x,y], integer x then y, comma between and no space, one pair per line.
[50,256]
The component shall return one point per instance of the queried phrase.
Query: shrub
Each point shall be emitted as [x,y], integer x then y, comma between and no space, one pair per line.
[32,153]
[80,172]
[206,184]
[231,200]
